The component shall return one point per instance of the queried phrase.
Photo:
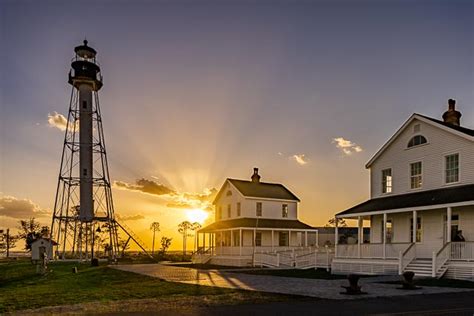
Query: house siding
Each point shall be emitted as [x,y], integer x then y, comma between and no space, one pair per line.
[398,158]
[270,208]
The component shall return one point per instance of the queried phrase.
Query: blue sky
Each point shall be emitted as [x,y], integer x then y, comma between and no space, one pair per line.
[197,91]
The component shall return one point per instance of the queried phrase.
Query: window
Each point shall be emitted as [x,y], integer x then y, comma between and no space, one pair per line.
[419,230]
[228,193]
[228,211]
[238,208]
[416,175]
[284,210]
[84,104]
[389,231]
[219,213]
[283,239]
[236,238]
[387,181]
[416,141]
[259,208]
[451,168]
[258,239]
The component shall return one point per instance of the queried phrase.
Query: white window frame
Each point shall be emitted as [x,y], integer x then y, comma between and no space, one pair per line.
[257,213]
[385,182]
[411,176]
[445,156]
[239,209]
[284,211]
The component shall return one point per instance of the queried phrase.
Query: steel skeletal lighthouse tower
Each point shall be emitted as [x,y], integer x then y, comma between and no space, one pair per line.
[83,219]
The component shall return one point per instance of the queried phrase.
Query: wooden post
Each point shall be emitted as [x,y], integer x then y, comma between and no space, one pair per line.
[384,229]
[336,237]
[448,224]
[272,239]
[359,224]
[414,227]
[306,238]
[240,242]
[289,238]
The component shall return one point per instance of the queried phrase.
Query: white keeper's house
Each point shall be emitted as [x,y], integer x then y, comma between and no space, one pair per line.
[254,221]
[421,206]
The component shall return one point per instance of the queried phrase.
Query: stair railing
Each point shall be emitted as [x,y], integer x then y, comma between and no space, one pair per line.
[406,257]
[440,258]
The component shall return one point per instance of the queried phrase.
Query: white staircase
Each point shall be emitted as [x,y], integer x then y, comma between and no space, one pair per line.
[421,267]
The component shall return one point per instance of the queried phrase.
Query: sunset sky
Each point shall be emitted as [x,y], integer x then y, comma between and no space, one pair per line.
[198,91]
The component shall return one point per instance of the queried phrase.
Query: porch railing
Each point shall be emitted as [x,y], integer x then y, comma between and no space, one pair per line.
[372,250]
[317,259]
[406,257]
[267,259]
[463,250]
[439,259]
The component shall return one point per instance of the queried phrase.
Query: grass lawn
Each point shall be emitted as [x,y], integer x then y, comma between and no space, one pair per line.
[298,273]
[21,288]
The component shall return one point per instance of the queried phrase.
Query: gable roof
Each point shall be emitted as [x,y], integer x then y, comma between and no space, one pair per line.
[256,223]
[260,190]
[457,130]
[462,193]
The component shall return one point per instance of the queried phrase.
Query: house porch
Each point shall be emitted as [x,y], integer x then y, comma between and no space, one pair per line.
[420,239]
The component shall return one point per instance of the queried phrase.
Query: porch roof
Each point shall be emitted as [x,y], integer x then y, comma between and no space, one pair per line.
[252,223]
[455,194]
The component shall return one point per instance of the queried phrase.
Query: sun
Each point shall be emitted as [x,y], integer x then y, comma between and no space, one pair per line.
[197,215]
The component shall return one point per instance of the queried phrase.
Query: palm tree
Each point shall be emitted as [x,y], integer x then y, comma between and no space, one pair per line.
[183,229]
[155,227]
[195,226]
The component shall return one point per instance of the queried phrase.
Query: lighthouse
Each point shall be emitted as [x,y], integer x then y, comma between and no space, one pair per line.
[83,206]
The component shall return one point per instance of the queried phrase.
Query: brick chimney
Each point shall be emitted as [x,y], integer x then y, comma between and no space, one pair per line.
[452,116]
[255,176]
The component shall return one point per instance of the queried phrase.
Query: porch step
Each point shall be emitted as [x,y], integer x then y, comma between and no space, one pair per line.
[421,267]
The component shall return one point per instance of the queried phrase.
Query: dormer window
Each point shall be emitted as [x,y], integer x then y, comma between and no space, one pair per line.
[416,141]
[229,193]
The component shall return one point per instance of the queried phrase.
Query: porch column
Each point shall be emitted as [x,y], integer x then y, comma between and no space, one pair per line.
[197,241]
[232,238]
[306,238]
[359,228]
[336,237]
[384,230]
[289,238]
[449,214]
[240,242]
[204,240]
[272,239]
[414,227]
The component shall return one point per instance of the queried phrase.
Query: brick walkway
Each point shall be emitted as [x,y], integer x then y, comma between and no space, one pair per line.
[329,289]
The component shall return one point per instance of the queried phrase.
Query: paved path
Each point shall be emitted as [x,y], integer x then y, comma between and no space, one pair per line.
[329,289]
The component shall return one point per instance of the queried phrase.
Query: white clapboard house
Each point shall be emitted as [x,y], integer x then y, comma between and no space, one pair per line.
[421,206]
[256,223]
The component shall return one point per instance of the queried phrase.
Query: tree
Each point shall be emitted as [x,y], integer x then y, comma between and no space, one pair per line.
[165,244]
[183,229]
[340,222]
[30,230]
[195,227]
[155,227]
[7,242]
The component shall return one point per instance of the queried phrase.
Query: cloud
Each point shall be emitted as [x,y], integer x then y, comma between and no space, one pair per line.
[130,217]
[346,146]
[300,159]
[145,186]
[174,199]
[59,121]
[20,208]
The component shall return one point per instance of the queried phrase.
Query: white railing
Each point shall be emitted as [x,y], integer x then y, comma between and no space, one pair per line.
[202,255]
[462,250]
[440,258]
[372,250]
[267,259]
[317,259]
[406,257]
